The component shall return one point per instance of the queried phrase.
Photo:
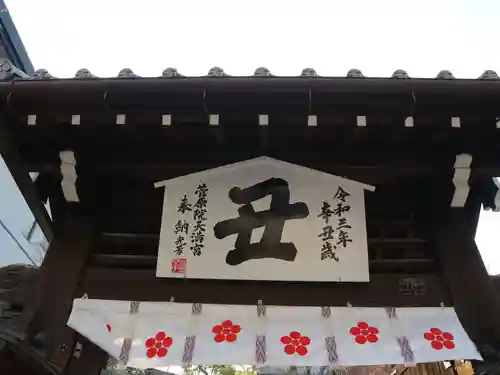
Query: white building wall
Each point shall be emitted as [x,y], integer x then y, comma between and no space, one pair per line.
[16,220]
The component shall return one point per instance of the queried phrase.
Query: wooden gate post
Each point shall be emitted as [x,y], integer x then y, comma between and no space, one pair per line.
[88,360]
[48,310]
[476,303]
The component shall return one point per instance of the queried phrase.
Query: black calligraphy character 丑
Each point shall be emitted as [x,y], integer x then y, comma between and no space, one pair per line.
[184,206]
[273,221]
[327,233]
[180,244]
[326,211]
[182,226]
[328,251]
[341,194]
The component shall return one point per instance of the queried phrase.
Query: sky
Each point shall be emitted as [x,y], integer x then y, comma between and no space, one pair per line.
[331,36]
[378,37]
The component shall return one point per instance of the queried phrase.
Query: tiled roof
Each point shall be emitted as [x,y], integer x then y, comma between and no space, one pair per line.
[42,74]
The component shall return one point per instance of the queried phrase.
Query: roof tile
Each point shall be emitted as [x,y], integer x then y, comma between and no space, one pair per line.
[217,72]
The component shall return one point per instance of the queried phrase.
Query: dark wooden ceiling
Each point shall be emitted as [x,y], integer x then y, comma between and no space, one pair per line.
[143,143]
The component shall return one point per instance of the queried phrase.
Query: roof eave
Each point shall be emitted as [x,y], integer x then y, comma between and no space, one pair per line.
[270,84]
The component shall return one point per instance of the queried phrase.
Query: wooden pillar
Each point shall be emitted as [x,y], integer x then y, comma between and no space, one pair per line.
[476,303]
[89,361]
[48,311]
[433,368]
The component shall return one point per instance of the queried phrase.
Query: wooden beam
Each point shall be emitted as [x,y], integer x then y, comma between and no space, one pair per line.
[143,212]
[148,241]
[475,300]
[372,174]
[197,152]
[155,162]
[48,311]
[12,158]
[377,266]
[49,91]
[20,359]
[382,290]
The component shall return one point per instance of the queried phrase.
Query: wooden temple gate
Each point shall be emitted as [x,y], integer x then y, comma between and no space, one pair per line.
[430,146]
